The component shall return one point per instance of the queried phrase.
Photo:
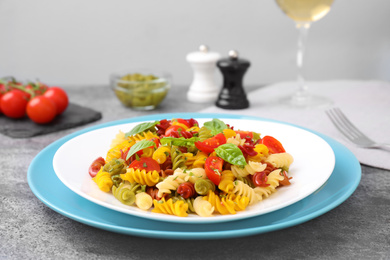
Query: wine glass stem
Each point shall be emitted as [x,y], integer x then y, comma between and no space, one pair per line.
[302,39]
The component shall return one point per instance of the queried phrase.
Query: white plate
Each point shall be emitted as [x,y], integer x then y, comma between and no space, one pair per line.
[314,161]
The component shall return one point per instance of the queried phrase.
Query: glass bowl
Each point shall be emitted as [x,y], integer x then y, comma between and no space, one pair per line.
[141,89]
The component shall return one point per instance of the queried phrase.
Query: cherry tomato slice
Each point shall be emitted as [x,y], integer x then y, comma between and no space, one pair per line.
[245,134]
[213,168]
[273,145]
[182,121]
[173,128]
[208,145]
[145,163]
[95,166]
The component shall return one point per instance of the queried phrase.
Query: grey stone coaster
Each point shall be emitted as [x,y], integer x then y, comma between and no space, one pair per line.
[73,116]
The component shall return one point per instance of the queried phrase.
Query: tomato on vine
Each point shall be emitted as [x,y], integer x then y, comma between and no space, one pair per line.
[59,97]
[41,110]
[13,103]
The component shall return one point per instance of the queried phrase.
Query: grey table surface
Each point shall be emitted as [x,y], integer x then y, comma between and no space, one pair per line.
[359,228]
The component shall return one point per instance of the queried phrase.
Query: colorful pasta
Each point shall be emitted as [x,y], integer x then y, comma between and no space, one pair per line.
[178,167]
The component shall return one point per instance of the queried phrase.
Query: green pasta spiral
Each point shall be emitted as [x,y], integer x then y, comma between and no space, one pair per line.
[115,167]
[116,179]
[246,180]
[204,133]
[178,159]
[126,192]
[203,186]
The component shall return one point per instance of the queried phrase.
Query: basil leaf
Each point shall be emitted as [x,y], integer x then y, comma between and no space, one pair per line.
[141,128]
[139,146]
[216,126]
[179,141]
[231,153]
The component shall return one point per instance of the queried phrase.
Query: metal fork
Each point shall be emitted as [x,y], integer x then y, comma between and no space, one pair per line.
[351,132]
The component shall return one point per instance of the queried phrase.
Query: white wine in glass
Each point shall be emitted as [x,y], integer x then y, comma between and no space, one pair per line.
[304,12]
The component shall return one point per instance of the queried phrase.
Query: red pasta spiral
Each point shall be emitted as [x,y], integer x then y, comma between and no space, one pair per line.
[178,134]
[247,149]
[186,190]
[153,191]
[259,179]
[162,126]
[167,164]
[165,173]
[270,168]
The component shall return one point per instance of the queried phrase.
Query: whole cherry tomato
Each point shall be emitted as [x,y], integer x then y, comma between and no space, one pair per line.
[59,97]
[41,110]
[210,144]
[273,145]
[13,103]
[213,168]
[145,163]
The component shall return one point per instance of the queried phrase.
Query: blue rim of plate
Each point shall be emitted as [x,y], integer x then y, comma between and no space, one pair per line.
[53,193]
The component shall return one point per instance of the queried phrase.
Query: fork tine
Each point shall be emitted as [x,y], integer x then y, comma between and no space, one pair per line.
[350,126]
[338,124]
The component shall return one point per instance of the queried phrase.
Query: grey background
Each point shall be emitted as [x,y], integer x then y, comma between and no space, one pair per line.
[68,42]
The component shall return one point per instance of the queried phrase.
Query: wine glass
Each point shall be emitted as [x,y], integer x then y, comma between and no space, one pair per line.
[304,12]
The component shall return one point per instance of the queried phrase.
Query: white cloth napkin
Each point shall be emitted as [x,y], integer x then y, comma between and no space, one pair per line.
[365,103]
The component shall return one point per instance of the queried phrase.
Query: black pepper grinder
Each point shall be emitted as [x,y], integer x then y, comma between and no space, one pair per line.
[232,95]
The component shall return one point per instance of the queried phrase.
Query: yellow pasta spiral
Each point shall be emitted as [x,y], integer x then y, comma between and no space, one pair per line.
[103,180]
[189,159]
[240,202]
[199,160]
[142,177]
[178,208]
[161,154]
[229,133]
[262,152]
[222,205]
[115,151]
[144,135]
[226,184]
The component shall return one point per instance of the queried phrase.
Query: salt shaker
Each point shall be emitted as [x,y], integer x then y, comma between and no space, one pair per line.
[232,95]
[203,88]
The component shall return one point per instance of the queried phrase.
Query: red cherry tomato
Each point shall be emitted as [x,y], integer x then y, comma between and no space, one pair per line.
[273,145]
[210,144]
[95,166]
[13,103]
[213,168]
[172,128]
[41,110]
[183,121]
[245,134]
[59,97]
[145,163]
